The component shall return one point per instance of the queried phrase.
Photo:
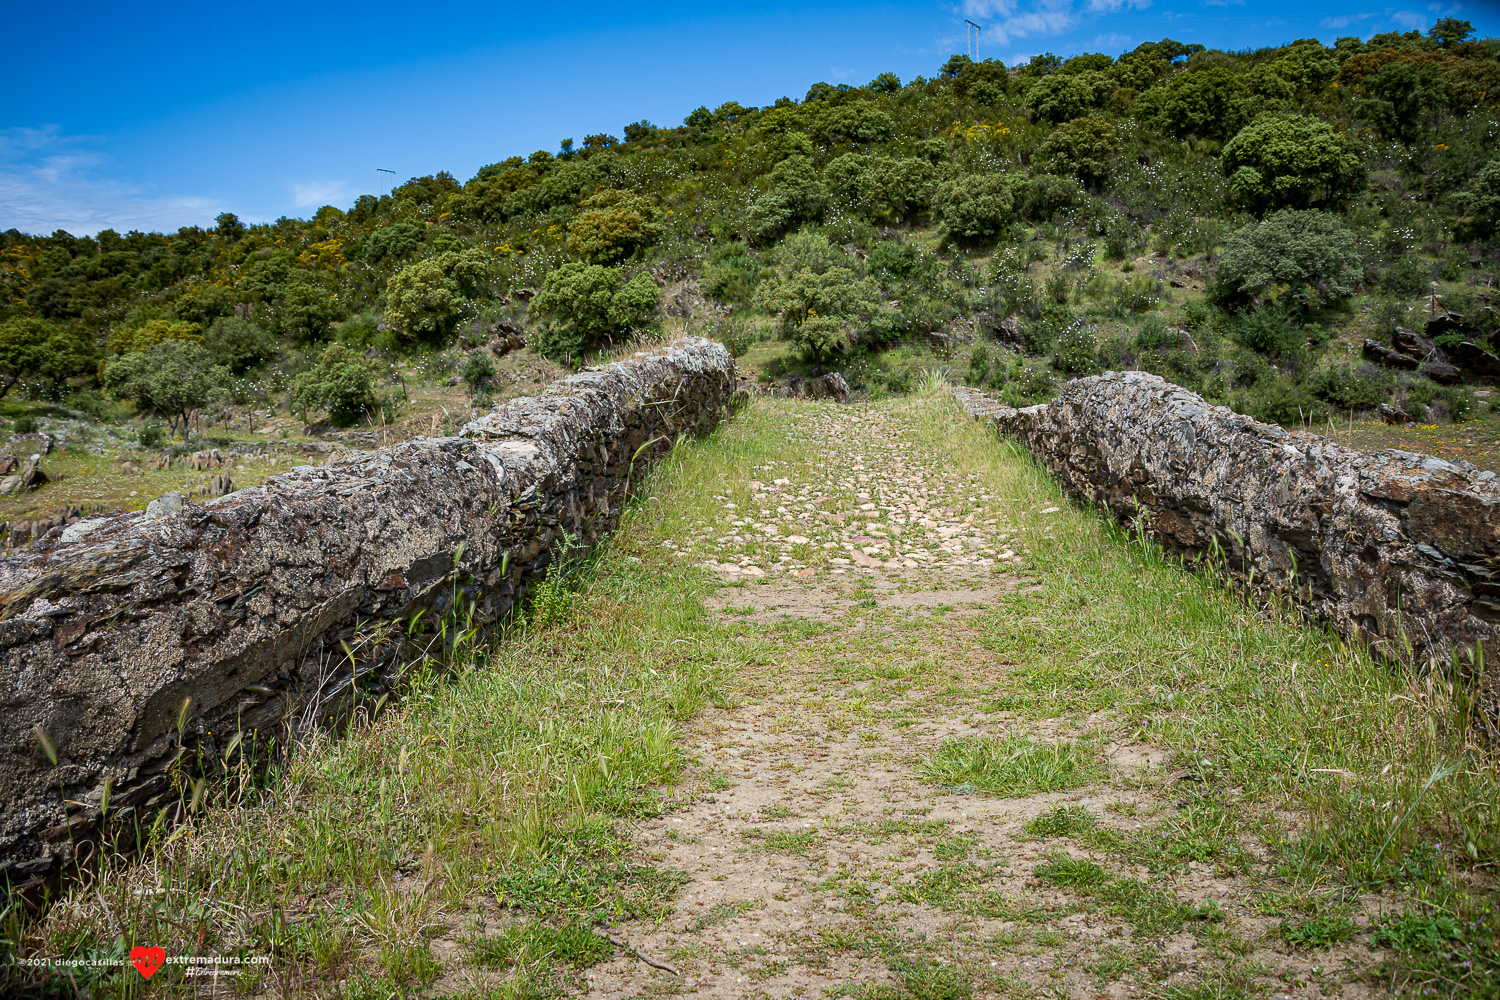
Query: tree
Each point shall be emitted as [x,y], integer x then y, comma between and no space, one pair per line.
[1209,104]
[393,242]
[1292,161]
[172,379]
[150,333]
[307,310]
[341,382]
[1480,204]
[34,348]
[1083,147]
[588,304]
[1398,97]
[796,193]
[974,206]
[425,300]
[1309,256]
[612,226]
[1061,97]
[1449,32]
[238,344]
[230,227]
[824,306]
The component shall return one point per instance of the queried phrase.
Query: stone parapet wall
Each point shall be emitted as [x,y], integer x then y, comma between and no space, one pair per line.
[1397,549]
[126,642]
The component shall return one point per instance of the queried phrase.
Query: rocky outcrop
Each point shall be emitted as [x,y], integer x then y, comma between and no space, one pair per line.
[1397,549]
[128,641]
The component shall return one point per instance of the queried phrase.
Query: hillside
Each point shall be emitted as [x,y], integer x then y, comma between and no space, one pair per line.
[1305,233]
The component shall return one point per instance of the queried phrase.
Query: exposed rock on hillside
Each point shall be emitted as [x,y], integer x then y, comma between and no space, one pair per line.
[125,639]
[1393,547]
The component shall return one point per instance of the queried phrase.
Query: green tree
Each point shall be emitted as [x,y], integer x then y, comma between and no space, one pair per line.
[31,348]
[426,300]
[796,193]
[586,305]
[238,344]
[1062,97]
[1304,257]
[612,226]
[307,310]
[1084,147]
[974,206]
[172,379]
[1292,161]
[1480,204]
[341,382]
[823,304]
[1398,97]
[1449,32]
[1210,104]
[393,242]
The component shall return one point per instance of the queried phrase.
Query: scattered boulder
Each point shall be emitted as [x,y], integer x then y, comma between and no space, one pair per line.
[831,386]
[1475,358]
[38,442]
[1382,355]
[1393,415]
[1448,322]
[1411,342]
[1441,372]
[508,337]
[29,477]
[206,459]
[167,503]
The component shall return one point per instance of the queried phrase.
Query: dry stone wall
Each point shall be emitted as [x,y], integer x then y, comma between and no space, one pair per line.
[127,641]
[1394,548]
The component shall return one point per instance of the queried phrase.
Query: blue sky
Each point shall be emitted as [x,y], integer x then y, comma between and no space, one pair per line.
[157,116]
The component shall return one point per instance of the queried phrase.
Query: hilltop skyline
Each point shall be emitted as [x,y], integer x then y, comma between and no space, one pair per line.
[217,114]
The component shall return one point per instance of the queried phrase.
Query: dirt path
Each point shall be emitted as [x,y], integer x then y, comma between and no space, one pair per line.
[828,852]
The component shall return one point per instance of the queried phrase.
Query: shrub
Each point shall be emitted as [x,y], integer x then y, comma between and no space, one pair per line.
[1212,104]
[796,193]
[731,273]
[1405,276]
[238,344]
[1044,195]
[1463,405]
[612,226]
[392,242]
[1480,204]
[342,381]
[1292,161]
[426,300]
[478,368]
[25,424]
[824,306]
[1353,388]
[588,304]
[1269,331]
[1077,350]
[1418,396]
[974,206]
[1155,335]
[1083,147]
[1311,253]
[152,435]
[1279,400]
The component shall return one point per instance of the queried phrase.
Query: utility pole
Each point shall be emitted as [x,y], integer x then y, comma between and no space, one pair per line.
[382,172]
[971,36]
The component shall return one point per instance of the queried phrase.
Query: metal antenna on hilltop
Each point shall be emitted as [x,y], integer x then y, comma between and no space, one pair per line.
[382,170]
[971,35]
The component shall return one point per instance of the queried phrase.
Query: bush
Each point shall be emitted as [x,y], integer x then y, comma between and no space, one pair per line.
[586,305]
[1083,148]
[1480,204]
[426,300]
[612,226]
[1279,400]
[1292,161]
[341,382]
[1155,335]
[1309,254]
[1269,331]
[732,273]
[25,424]
[238,344]
[823,304]
[1418,396]
[152,435]
[974,206]
[1353,388]
[1406,276]
[1463,405]
[478,368]
[1210,104]
[392,242]
[1077,350]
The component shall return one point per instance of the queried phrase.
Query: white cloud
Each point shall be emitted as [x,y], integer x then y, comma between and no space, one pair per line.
[51,181]
[1410,20]
[1223,3]
[1115,6]
[1344,21]
[1113,40]
[316,194]
[1007,20]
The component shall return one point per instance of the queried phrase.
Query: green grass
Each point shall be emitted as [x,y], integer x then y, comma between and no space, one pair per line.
[1063,821]
[1010,766]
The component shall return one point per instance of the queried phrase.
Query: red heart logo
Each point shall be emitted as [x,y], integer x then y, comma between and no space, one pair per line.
[147,960]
